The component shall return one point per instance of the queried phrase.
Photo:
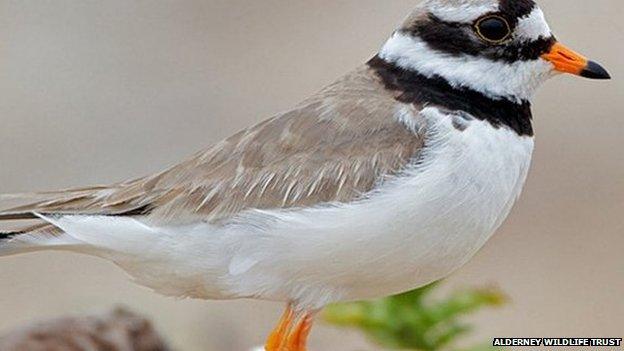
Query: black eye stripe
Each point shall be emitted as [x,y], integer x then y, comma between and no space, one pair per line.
[459,39]
[448,37]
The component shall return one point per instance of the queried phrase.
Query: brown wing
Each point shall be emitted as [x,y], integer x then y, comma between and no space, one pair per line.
[334,147]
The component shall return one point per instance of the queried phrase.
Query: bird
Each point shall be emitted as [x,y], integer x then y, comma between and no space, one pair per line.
[390,178]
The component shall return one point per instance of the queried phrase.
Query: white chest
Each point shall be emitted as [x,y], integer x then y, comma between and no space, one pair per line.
[417,228]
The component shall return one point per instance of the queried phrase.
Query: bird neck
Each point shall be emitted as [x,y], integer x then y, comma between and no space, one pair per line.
[413,87]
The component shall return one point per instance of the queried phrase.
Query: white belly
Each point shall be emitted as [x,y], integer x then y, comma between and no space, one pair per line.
[415,229]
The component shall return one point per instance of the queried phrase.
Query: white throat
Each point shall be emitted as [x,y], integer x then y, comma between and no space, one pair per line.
[516,81]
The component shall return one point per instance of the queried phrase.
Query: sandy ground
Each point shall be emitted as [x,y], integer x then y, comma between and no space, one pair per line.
[95,92]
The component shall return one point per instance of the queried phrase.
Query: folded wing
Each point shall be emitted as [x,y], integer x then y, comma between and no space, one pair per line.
[334,147]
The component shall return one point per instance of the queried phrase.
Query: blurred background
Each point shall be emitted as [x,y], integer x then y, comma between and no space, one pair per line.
[100,91]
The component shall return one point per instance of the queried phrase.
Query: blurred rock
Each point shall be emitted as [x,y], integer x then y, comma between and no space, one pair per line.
[119,330]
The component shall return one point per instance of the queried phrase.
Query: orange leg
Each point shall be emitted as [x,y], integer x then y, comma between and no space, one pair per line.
[288,336]
[298,338]
[277,339]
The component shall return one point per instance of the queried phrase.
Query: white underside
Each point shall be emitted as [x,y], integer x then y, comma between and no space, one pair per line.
[415,229]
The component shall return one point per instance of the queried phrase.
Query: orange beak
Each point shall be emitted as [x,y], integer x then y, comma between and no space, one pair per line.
[567,61]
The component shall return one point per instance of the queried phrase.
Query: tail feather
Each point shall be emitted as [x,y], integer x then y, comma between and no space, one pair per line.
[22,228]
[117,199]
[38,237]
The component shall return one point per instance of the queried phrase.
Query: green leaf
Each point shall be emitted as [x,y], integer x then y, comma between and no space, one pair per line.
[410,321]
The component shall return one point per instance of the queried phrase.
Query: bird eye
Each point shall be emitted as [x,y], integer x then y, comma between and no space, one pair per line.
[493,28]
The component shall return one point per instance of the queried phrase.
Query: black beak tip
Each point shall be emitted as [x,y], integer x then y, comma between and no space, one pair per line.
[595,71]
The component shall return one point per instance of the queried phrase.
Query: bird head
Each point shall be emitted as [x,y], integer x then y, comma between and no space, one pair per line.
[501,48]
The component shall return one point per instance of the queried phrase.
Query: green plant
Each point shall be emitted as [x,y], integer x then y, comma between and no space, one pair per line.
[415,320]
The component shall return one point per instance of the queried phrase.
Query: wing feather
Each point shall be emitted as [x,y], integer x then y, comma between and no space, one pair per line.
[334,147]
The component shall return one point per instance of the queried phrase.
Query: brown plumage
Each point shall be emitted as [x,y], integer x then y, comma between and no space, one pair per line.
[333,147]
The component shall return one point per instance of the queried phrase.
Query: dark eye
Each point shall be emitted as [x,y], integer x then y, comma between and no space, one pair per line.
[493,28]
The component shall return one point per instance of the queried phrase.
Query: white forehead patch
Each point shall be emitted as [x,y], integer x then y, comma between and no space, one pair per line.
[464,13]
[533,26]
